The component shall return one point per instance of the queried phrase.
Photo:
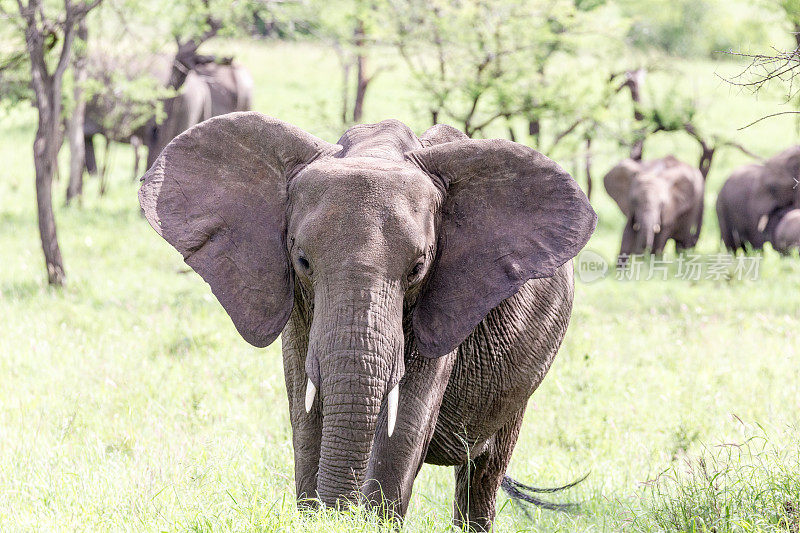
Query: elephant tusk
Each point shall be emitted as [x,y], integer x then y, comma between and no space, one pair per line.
[657,228]
[311,391]
[394,396]
[636,226]
[762,222]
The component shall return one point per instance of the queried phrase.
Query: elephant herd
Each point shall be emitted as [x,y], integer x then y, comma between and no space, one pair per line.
[662,199]
[212,87]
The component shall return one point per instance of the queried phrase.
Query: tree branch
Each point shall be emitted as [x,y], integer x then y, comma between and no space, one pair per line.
[769,116]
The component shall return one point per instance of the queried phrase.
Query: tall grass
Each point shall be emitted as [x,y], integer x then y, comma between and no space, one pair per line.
[727,488]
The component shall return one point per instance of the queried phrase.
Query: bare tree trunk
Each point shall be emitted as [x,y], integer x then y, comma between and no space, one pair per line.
[345,89]
[796,33]
[44,162]
[104,169]
[362,81]
[77,152]
[47,88]
[706,159]
[588,167]
[633,81]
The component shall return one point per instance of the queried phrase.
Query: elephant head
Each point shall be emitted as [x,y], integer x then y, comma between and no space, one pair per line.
[380,240]
[777,185]
[652,196]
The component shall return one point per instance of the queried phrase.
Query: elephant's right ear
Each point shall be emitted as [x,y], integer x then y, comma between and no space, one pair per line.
[618,183]
[217,193]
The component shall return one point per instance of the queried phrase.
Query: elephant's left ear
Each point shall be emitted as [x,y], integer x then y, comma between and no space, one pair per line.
[510,214]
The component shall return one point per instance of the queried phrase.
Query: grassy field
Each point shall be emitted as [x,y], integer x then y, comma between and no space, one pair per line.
[128,401]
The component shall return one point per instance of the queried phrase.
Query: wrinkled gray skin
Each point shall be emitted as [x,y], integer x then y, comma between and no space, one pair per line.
[209,90]
[661,199]
[752,194]
[442,264]
[786,235]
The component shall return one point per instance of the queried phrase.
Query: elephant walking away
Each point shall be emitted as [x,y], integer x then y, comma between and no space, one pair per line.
[422,287]
[662,199]
[752,194]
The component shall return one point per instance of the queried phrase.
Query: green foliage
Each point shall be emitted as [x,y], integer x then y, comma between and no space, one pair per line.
[697,27]
[125,92]
[791,9]
[476,63]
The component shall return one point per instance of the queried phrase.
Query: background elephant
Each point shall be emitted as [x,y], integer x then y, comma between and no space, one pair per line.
[361,252]
[661,199]
[778,181]
[786,235]
[753,194]
[210,89]
[740,224]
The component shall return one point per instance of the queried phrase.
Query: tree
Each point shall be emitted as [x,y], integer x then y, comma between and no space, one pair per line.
[352,28]
[791,10]
[49,37]
[676,113]
[75,121]
[481,63]
[778,66]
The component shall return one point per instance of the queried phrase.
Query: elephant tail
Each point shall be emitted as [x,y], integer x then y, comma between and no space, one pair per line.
[519,492]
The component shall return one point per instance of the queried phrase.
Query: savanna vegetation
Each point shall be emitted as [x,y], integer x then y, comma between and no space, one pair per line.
[129,402]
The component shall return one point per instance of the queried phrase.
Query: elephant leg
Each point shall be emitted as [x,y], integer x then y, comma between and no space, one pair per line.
[626,246]
[477,481]
[306,427]
[727,237]
[395,461]
[88,146]
[660,242]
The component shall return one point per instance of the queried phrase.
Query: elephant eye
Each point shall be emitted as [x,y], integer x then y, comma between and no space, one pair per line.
[302,260]
[416,271]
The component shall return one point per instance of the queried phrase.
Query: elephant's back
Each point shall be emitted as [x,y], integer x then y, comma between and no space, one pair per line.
[501,363]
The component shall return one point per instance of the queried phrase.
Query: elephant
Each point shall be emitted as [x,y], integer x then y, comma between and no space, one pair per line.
[752,195]
[422,287]
[786,235]
[210,89]
[662,199]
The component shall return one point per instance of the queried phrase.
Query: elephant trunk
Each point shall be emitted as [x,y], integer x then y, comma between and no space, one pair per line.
[356,345]
[646,227]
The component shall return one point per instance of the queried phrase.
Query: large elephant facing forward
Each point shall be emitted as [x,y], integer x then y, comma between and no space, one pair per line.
[661,200]
[423,287]
[753,194]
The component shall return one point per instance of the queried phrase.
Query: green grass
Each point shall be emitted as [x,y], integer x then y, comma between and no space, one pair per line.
[128,401]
